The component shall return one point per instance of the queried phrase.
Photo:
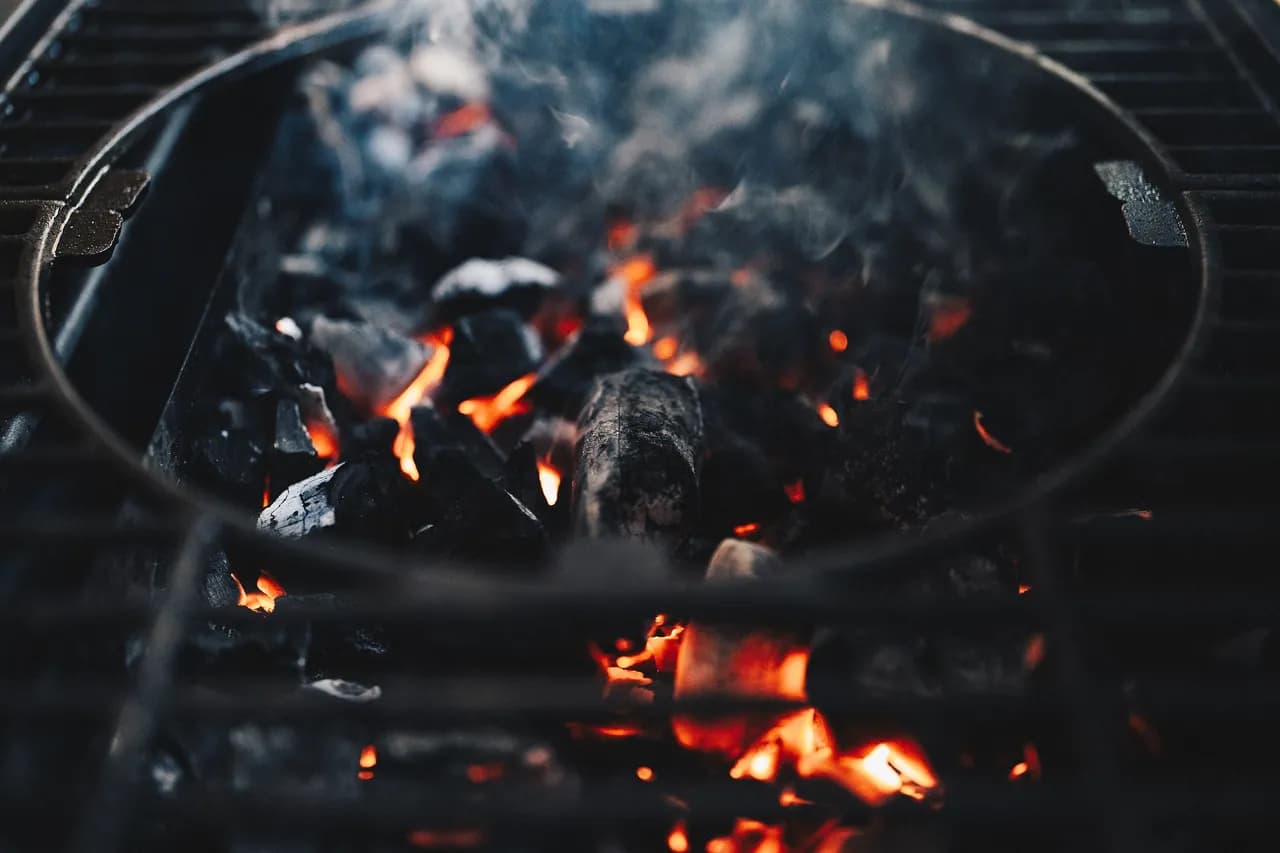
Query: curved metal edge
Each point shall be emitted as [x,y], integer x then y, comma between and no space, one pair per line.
[888,549]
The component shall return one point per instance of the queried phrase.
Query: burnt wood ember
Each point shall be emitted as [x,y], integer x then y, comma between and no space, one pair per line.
[685,298]
[487,352]
[374,437]
[302,507]
[373,364]
[437,432]
[597,349]
[231,461]
[293,456]
[260,360]
[516,284]
[337,648]
[764,336]
[638,457]
[736,660]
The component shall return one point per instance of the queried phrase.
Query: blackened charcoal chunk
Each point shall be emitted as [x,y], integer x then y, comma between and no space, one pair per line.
[294,756]
[262,360]
[372,501]
[639,451]
[219,589]
[436,432]
[517,284]
[489,351]
[242,644]
[340,647]
[514,763]
[302,507]
[374,437]
[231,462]
[520,478]
[479,518]
[293,456]
[565,380]
[373,364]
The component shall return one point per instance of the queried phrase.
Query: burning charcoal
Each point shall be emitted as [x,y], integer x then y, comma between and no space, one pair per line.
[730,660]
[435,432]
[638,457]
[762,336]
[513,283]
[521,479]
[488,351]
[302,507]
[372,501]
[374,437]
[293,456]
[480,518]
[684,297]
[271,361]
[565,380]
[373,364]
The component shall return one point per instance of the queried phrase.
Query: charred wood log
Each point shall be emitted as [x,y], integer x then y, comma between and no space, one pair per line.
[566,379]
[639,453]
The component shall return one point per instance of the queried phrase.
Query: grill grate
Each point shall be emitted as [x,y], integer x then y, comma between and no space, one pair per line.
[1195,74]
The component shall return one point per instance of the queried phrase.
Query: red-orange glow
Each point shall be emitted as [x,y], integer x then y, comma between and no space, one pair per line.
[323,440]
[1019,769]
[746,529]
[665,348]
[987,438]
[644,774]
[464,119]
[621,235]
[266,491]
[678,839]
[861,385]
[828,415]
[488,412]
[838,341]
[368,761]
[1031,758]
[447,839]
[616,731]
[685,364]
[1034,653]
[400,408]
[480,773]
[788,798]
[635,274]
[749,836]
[795,491]
[264,600]
[948,315]
[700,201]
[549,480]
[1024,588]
[622,645]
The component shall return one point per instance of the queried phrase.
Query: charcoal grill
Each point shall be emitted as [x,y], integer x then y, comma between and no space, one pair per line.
[1128,601]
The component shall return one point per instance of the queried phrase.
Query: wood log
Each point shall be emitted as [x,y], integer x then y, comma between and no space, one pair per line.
[639,452]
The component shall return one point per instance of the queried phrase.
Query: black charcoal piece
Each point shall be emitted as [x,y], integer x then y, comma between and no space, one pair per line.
[436,432]
[373,501]
[302,507]
[762,336]
[243,644]
[264,361]
[231,462]
[340,647]
[517,284]
[375,437]
[638,457]
[595,350]
[293,456]
[373,364]
[489,351]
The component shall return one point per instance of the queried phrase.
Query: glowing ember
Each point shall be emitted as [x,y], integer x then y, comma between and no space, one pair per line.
[948,315]
[1019,769]
[685,364]
[621,235]
[480,773]
[1031,758]
[464,119]
[838,341]
[266,491]
[1023,588]
[644,774]
[264,600]
[368,761]
[665,348]
[447,839]
[828,415]
[549,479]
[749,836]
[635,274]
[861,385]
[795,491]
[400,408]
[678,839]
[989,439]
[323,440]
[746,529]
[488,412]
[1034,654]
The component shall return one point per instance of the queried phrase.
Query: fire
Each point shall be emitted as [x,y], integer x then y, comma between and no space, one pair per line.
[488,412]
[678,839]
[989,439]
[266,491]
[795,491]
[746,529]
[635,274]
[665,349]
[1024,588]
[400,408]
[264,600]
[463,120]
[621,235]
[323,440]
[947,316]
[1019,769]
[861,385]
[549,479]
[644,774]
[749,836]
[685,364]
[838,340]
[828,415]
[368,761]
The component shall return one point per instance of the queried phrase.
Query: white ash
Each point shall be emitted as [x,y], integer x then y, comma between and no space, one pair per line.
[485,277]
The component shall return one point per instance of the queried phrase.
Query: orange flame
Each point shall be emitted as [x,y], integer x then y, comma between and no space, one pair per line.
[1024,588]
[665,348]
[749,836]
[266,491]
[746,529]
[323,440]
[549,479]
[861,385]
[828,415]
[368,761]
[464,119]
[401,407]
[685,364]
[678,839]
[987,438]
[838,340]
[263,601]
[488,412]
[635,274]
[644,774]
